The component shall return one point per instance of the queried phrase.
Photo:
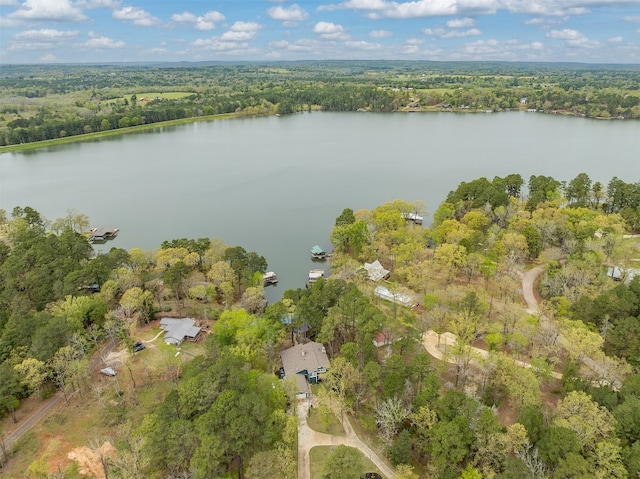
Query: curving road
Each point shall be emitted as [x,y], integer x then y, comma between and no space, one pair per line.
[308,438]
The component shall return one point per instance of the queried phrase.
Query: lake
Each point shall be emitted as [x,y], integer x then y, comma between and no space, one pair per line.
[275,185]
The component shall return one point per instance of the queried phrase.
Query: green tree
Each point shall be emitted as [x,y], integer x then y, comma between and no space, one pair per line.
[33,374]
[343,462]
[401,450]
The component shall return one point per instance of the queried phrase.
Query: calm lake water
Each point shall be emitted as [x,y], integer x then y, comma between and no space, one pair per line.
[275,185]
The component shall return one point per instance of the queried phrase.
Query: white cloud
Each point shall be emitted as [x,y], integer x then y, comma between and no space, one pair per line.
[245,27]
[9,22]
[48,58]
[444,33]
[205,22]
[380,34]
[91,4]
[417,8]
[561,7]
[460,23]
[438,31]
[473,32]
[9,3]
[218,45]
[43,39]
[361,45]
[48,10]
[431,8]
[572,38]
[617,39]
[509,50]
[241,32]
[233,41]
[233,36]
[292,14]
[632,18]
[279,44]
[96,41]
[330,31]
[136,15]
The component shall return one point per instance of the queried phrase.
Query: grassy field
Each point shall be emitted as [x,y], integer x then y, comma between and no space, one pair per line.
[322,419]
[165,95]
[318,456]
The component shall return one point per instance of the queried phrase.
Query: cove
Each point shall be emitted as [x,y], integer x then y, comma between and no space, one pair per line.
[275,185]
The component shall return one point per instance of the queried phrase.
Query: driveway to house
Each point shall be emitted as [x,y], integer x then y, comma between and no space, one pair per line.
[47,406]
[308,438]
[528,281]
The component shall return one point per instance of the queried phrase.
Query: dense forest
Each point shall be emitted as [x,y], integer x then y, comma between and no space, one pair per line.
[550,392]
[49,102]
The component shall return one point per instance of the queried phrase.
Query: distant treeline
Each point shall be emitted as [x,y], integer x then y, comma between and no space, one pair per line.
[48,102]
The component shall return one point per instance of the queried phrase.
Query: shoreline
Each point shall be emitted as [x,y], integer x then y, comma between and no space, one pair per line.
[117,131]
[225,116]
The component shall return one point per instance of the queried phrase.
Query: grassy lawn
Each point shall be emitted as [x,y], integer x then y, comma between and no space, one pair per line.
[166,95]
[318,456]
[322,419]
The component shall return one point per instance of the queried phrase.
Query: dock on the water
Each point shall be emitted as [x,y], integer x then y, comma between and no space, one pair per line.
[102,234]
[315,275]
[318,253]
[270,278]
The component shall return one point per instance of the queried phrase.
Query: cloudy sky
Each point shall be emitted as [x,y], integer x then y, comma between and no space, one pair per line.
[38,31]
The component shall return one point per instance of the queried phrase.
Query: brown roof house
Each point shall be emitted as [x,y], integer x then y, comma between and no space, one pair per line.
[304,363]
[178,330]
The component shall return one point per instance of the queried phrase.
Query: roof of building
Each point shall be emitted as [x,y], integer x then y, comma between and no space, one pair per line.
[376,271]
[384,337]
[317,250]
[176,330]
[304,358]
[395,297]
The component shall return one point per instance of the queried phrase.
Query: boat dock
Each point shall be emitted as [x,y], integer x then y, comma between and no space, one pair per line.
[318,253]
[270,278]
[102,234]
[315,275]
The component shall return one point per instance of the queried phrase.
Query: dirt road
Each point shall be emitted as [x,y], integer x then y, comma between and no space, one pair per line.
[50,404]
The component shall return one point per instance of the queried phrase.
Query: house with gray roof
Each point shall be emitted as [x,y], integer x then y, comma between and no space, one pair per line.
[375,271]
[179,330]
[304,363]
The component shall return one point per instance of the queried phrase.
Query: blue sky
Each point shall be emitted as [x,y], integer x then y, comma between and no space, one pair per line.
[55,31]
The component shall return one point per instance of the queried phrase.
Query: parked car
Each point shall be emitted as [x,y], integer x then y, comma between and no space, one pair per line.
[281,372]
[138,346]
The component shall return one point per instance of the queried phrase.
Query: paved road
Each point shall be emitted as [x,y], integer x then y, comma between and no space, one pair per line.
[436,346]
[308,438]
[50,404]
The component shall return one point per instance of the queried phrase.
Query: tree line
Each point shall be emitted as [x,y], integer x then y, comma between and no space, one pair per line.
[49,102]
